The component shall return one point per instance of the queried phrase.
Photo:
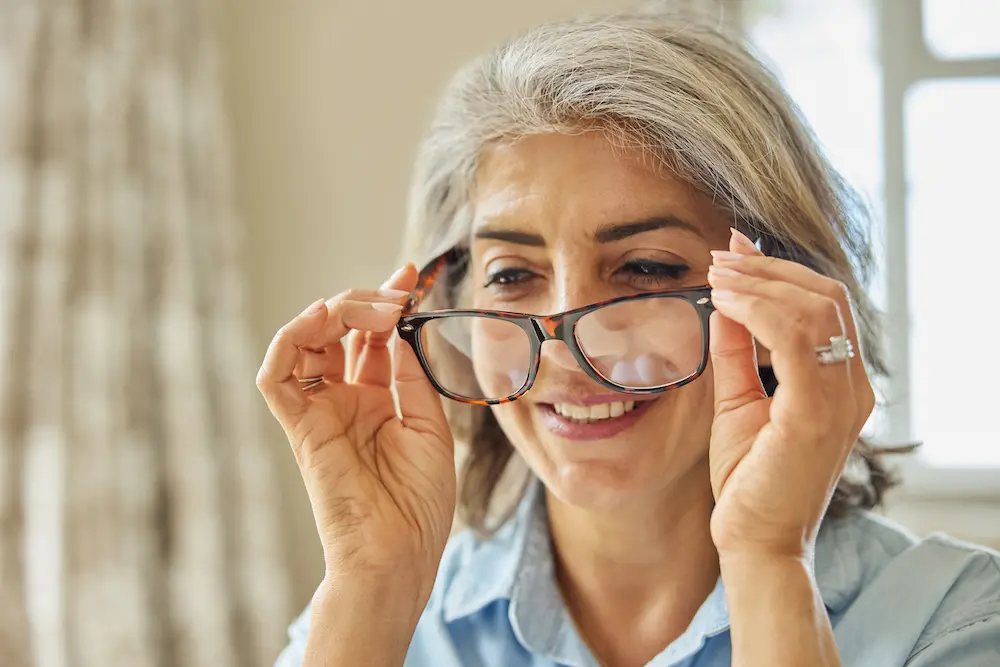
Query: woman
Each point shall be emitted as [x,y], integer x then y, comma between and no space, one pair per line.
[681,509]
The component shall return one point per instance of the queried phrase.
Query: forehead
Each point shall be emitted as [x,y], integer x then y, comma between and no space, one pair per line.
[555,181]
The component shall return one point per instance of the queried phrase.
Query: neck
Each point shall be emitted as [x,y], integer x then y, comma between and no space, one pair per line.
[634,578]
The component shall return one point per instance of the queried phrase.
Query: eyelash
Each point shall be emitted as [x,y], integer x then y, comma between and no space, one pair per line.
[645,271]
[507,277]
[652,273]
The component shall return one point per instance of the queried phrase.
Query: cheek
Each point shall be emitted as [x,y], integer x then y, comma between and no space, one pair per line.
[686,414]
[501,354]
[515,420]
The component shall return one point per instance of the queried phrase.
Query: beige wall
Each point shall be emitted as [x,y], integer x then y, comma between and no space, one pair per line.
[328,99]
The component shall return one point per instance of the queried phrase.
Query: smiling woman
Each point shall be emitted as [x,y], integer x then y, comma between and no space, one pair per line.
[564,221]
[642,277]
[611,194]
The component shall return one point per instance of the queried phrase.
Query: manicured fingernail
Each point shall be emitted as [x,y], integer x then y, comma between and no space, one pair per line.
[393,293]
[723,271]
[722,296]
[395,276]
[315,308]
[727,256]
[387,307]
[743,240]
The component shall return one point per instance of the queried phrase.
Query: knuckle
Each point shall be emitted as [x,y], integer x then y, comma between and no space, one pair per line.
[829,306]
[769,263]
[800,327]
[352,294]
[840,293]
[281,335]
[831,287]
[828,315]
[755,306]
[835,289]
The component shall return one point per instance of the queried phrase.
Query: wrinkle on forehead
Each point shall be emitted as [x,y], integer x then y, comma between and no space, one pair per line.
[554,184]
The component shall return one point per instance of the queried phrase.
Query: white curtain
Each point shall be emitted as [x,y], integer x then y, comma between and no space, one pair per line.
[137,512]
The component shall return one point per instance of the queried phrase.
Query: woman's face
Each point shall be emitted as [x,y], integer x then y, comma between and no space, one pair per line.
[559,224]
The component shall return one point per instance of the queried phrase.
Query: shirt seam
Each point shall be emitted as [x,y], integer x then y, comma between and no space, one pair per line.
[981,614]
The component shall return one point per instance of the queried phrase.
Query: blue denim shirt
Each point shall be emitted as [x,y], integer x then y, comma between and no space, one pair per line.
[893,600]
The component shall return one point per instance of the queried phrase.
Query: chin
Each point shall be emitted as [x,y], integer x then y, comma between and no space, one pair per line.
[600,486]
[616,473]
[608,465]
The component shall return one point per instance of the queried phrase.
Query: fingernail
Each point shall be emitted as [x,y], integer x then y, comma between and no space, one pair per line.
[727,256]
[315,308]
[743,240]
[723,271]
[393,293]
[722,296]
[394,276]
[387,307]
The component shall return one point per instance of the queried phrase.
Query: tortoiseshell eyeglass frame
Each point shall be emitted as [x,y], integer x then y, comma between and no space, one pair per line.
[561,326]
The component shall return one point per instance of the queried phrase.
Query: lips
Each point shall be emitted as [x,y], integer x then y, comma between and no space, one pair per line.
[588,422]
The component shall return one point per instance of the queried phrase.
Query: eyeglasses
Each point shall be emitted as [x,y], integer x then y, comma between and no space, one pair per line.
[642,344]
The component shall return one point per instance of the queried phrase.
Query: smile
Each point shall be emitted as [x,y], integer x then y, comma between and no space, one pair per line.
[592,422]
[592,413]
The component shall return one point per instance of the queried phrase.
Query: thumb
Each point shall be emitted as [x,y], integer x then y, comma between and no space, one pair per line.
[734,364]
[419,403]
[734,352]
[404,279]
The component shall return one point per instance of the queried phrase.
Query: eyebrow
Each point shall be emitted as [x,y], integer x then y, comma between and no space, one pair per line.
[606,234]
[511,236]
[621,231]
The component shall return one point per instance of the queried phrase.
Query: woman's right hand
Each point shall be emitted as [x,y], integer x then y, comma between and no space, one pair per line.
[382,488]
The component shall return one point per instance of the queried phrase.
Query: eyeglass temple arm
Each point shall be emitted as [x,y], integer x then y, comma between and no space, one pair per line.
[425,281]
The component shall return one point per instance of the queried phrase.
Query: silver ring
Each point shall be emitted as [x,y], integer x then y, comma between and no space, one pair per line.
[310,383]
[840,349]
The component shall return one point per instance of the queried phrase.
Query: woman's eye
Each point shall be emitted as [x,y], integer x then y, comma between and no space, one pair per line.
[508,277]
[653,273]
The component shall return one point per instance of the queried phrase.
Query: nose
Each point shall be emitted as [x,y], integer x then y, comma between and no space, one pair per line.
[556,358]
[556,353]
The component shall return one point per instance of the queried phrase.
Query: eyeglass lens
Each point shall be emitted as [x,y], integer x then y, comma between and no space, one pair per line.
[638,344]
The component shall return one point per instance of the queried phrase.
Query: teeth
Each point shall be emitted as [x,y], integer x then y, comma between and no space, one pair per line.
[592,413]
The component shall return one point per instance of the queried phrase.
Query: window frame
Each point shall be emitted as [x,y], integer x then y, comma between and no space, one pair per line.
[906,60]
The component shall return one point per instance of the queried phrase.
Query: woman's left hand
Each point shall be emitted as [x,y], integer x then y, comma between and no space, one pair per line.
[775,462]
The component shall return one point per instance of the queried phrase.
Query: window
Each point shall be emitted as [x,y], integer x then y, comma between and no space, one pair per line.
[951,146]
[958,29]
[903,96]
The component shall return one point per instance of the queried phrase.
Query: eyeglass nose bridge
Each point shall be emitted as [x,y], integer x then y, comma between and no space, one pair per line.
[553,327]
[560,328]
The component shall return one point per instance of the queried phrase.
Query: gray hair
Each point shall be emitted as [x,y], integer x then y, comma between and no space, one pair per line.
[697,104]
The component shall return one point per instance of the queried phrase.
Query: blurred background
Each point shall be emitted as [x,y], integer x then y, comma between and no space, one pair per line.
[178,178]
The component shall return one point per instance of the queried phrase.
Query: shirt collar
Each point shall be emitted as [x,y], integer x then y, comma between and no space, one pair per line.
[517,565]
[491,570]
